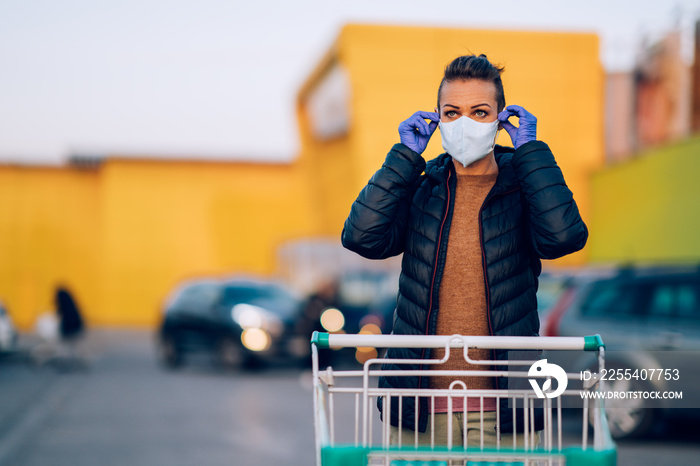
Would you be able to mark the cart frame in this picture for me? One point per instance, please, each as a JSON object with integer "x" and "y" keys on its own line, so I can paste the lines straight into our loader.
{"x": 358, "y": 452}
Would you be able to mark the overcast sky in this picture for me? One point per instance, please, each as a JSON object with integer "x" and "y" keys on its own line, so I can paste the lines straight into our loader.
{"x": 218, "y": 78}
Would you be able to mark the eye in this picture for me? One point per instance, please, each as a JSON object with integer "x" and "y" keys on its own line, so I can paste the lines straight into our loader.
{"x": 450, "y": 113}
{"x": 481, "y": 113}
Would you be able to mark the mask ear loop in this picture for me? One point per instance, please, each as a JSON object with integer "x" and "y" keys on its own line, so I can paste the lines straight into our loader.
{"x": 493, "y": 143}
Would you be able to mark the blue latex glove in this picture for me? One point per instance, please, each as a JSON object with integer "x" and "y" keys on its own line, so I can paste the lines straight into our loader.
{"x": 415, "y": 132}
{"x": 527, "y": 129}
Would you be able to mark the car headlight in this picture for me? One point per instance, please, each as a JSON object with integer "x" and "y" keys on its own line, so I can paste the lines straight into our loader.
{"x": 249, "y": 316}
{"x": 255, "y": 339}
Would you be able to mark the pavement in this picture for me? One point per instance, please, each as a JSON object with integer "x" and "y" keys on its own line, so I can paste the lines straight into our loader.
{"x": 123, "y": 408}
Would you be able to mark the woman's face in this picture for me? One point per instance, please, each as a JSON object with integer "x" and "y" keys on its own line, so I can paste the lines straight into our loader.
{"x": 474, "y": 98}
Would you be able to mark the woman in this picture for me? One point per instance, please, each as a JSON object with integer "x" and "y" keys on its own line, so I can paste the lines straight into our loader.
{"x": 472, "y": 224}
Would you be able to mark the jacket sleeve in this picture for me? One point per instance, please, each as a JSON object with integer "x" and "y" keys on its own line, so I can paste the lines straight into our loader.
{"x": 555, "y": 225}
{"x": 376, "y": 226}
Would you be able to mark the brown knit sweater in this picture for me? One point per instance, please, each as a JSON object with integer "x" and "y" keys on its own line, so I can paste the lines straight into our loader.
{"x": 462, "y": 305}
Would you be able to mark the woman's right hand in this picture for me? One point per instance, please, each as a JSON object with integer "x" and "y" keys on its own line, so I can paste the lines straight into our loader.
{"x": 415, "y": 132}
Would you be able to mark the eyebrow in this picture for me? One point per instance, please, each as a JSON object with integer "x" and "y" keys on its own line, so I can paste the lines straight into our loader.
{"x": 473, "y": 106}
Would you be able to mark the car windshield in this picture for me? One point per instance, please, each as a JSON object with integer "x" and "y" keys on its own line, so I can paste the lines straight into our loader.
{"x": 274, "y": 298}
{"x": 198, "y": 296}
{"x": 616, "y": 298}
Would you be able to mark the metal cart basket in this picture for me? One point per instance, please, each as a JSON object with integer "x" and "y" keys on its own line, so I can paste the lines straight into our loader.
{"x": 349, "y": 431}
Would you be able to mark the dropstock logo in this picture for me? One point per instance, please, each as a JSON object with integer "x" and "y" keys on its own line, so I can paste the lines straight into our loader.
{"x": 542, "y": 368}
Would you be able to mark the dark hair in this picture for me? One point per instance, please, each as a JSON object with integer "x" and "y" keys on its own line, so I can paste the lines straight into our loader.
{"x": 475, "y": 67}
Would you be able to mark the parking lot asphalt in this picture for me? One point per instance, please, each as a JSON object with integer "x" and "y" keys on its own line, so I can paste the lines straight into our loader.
{"x": 125, "y": 409}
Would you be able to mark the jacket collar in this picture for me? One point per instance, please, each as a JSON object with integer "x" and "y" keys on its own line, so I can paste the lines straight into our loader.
{"x": 438, "y": 168}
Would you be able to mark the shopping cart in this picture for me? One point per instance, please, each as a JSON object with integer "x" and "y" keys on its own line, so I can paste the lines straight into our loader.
{"x": 349, "y": 433}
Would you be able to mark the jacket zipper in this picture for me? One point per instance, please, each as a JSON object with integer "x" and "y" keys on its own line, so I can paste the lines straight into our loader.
{"x": 432, "y": 282}
{"x": 486, "y": 282}
{"x": 437, "y": 254}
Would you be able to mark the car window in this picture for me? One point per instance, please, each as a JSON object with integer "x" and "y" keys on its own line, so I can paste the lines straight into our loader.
{"x": 271, "y": 297}
{"x": 676, "y": 300}
{"x": 662, "y": 301}
{"x": 673, "y": 298}
{"x": 241, "y": 294}
{"x": 689, "y": 301}
{"x": 614, "y": 298}
{"x": 198, "y": 297}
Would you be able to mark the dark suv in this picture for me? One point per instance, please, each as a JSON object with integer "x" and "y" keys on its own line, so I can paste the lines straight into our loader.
{"x": 240, "y": 322}
{"x": 649, "y": 318}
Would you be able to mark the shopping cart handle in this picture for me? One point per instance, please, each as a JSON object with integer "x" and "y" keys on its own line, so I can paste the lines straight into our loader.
{"x": 593, "y": 343}
{"x": 326, "y": 340}
{"x": 320, "y": 339}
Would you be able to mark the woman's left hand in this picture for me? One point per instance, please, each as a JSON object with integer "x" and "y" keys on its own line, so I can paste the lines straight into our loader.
{"x": 527, "y": 129}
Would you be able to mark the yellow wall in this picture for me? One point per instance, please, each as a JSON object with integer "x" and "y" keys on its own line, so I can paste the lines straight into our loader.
{"x": 49, "y": 233}
{"x": 166, "y": 220}
{"x": 647, "y": 209}
{"x": 122, "y": 236}
{"x": 395, "y": 71}
{"x": 327, "y": 169}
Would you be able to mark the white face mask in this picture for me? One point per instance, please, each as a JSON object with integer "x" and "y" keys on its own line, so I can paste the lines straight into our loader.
{"x": 467, "y": 140}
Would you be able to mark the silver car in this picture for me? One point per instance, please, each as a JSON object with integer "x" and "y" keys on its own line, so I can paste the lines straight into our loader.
{"x": 649, "y": 319}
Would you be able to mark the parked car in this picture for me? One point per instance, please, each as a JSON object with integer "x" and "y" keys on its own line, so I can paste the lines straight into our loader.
{"x": 557, "y": 290}
{"x": 649, "y": 318}
{"x": 8, "y": 332}
{"x": 241, "y": 322}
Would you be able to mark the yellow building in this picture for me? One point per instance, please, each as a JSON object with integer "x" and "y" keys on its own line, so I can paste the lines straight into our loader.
{"x": 646, "y": 209}
{"x": 122, "y": 234}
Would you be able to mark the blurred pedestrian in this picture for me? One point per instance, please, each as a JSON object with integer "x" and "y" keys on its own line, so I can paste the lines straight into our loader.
{"x": 473, "y": 225}
{"x": 71, "y": 327}
{"x": 325, "y": 296}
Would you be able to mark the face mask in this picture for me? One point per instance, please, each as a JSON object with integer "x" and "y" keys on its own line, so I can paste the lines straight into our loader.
{"x": 467, "y": 140}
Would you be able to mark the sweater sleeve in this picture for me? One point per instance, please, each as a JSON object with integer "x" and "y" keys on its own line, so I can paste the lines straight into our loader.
{"x": 376, "y": 226}
{"x": 555, "y": 225}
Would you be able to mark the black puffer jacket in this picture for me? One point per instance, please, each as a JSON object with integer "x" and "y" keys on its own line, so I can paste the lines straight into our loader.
{"x": 528, "y": 215}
